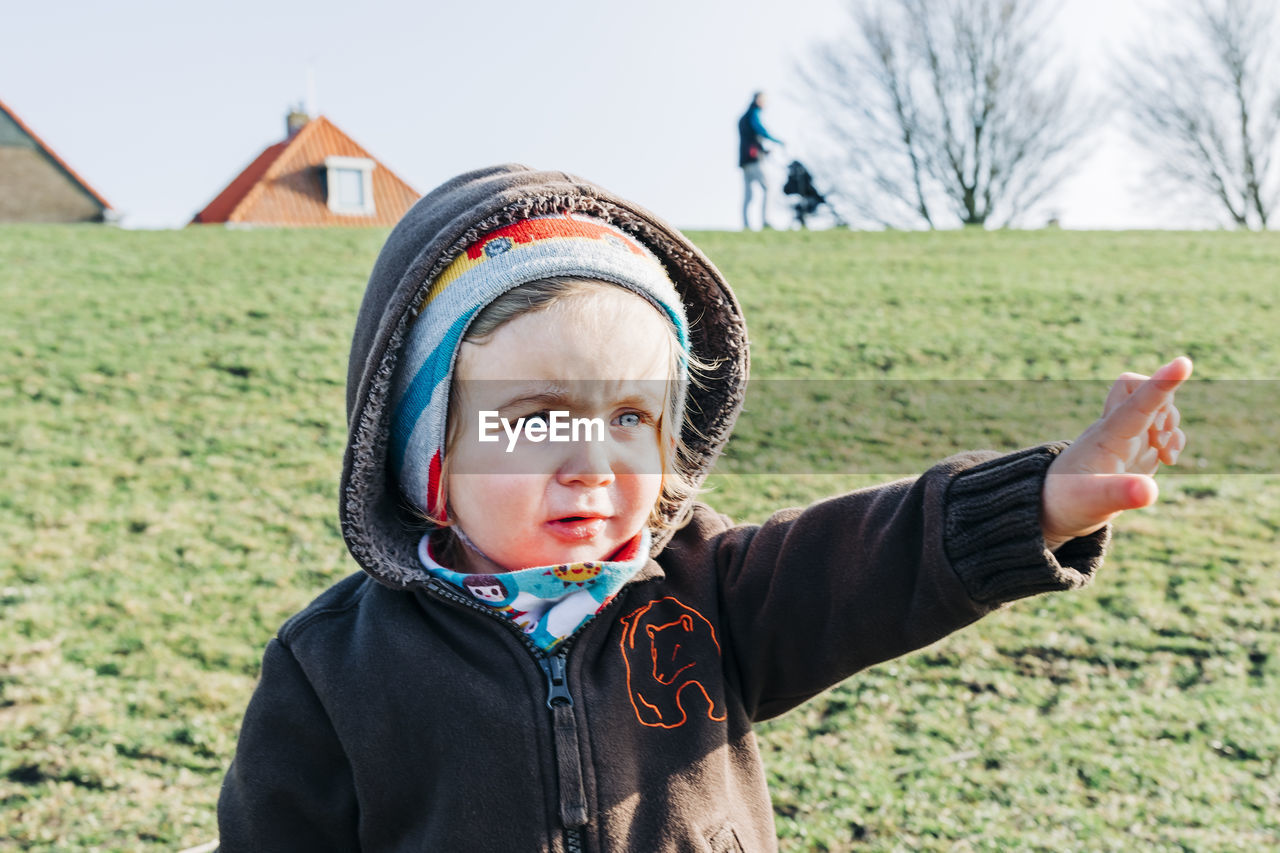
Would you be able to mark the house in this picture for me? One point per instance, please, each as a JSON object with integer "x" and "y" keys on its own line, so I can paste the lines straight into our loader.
{"x": 316, "y": 176}
{"x": 36, "y": 185}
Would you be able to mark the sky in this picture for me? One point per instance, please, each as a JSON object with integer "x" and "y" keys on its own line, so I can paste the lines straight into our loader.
{"x": 158, "y": 105}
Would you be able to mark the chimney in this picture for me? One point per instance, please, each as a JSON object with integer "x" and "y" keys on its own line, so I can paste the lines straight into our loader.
{"x": 294, "y": 120}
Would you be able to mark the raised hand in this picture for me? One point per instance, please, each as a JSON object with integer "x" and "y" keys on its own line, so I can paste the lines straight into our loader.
{"x": 1108, "y": 469}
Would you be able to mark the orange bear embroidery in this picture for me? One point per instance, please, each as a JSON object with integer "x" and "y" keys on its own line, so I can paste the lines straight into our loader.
{"x": 668, "y": 647}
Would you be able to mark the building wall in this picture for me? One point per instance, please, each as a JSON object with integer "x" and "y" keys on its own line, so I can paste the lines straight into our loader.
{"x": 34, "y": 188}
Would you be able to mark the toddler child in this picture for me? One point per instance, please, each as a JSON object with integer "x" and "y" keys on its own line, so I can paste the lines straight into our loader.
{"x": 553, "y": 646}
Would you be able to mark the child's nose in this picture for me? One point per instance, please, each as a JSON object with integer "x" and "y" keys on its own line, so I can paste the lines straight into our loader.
{"x": 587, "y": 463}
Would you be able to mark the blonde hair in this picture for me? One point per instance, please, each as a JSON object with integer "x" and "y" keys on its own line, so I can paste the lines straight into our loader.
{"x": 678, "y": 465}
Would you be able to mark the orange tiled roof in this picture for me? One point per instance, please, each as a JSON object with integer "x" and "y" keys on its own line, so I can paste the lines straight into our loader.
{"x": 285, "y": 184}
{"x": 62, "y": 164}
{"x": 221, "y": 208}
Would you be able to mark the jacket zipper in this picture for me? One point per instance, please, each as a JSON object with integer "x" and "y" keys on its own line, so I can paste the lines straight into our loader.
{"x": 573, "y": 797}
{"x": 572, "y": 794}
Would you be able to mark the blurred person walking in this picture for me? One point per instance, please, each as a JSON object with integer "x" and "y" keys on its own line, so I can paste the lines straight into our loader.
{"x": 751, "y": 150}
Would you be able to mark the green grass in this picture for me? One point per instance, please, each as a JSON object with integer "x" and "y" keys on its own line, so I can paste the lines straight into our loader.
{"x": 171, "y": 429}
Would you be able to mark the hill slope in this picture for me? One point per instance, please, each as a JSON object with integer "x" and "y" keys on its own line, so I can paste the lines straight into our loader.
{"x": 171, "y": 429}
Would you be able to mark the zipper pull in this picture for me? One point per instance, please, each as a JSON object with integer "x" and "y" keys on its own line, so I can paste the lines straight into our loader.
{"x": 557, "y": 681}
{"x": 573, "y": 797}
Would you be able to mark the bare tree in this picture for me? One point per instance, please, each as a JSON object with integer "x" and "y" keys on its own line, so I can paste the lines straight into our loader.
{"x": 1207, "y": 104}
{"x": 945, "y": 111}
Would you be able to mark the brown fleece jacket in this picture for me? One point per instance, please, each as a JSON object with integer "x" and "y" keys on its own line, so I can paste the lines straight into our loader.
{"x": 396, "y": 714}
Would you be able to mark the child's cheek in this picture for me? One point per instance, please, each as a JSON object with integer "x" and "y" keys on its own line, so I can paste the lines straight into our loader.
{"x": 503, "y": 457}
{"x": 642, "y": 493}
{"x": 515, "y": 489}
{"x": 640, "y": 450}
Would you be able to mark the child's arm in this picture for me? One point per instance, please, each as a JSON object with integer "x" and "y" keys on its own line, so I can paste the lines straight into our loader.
{"x": 290, "y": 785}
{"x": 1108, "y": 468}
{"x": 814, "y": 595}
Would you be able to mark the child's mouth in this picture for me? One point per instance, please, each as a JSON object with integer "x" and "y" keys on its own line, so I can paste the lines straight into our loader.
{"x": 577, "y": 527}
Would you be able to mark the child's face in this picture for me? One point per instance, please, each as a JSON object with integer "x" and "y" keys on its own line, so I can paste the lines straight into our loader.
{"x": 603, "y": 354}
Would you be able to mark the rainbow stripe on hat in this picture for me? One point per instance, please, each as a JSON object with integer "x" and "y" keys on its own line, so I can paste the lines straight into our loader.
{"x": 516, "y": 254}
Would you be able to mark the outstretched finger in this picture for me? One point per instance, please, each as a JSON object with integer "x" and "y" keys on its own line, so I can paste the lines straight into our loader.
{"x": 1121, "y": 389}
{"x": 1137, "y": 412}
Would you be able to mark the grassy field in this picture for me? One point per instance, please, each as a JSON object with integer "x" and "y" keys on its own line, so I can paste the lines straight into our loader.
{"x": 171, "y": 429}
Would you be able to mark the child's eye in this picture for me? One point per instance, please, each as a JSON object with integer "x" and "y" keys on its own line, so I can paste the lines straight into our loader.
{"x": 545, "y": 417}
{"x": 629, "y": 419}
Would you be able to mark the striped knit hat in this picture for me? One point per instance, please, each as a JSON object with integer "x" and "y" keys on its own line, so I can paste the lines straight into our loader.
{"x": 520, "y": 253}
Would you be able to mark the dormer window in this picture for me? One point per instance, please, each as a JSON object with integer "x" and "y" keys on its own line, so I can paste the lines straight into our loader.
{"x": 349, "y": 185}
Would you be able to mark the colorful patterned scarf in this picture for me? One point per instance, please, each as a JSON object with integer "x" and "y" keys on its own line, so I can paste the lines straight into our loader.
{"x": 549, "y": 603}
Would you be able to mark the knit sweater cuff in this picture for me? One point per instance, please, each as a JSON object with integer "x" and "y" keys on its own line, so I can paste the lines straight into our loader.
{"x": 993, "y": 534}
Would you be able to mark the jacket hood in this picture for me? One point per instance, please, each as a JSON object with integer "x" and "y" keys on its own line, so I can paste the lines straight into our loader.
{"x": 380, "y": 531}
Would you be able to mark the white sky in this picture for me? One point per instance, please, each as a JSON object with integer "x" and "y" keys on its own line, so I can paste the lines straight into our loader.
{"x": 159, "y": 104}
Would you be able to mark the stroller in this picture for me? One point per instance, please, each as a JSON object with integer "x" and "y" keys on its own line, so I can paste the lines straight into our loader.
{"x": 800, "y": 183}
